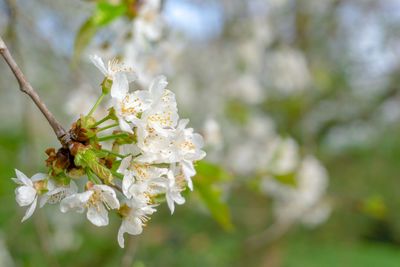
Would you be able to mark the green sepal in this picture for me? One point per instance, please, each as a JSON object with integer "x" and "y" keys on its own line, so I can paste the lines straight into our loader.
{"x": 88, "y": 158}
{"x": 106, "y": 86}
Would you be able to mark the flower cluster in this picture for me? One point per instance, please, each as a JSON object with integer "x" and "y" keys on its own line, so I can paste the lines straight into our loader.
{"x": 152, "y": 157}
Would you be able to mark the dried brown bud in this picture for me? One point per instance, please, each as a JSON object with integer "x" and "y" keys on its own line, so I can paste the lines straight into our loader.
{"x": 62, "y": 159}
{"x": 80, "y": 134}
{"x": 109, "y": 163}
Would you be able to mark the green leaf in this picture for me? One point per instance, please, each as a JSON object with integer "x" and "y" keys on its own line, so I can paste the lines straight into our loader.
{"x": 212, "y": 172}
{"x": 218, "y": 209}
{"x": 288, "y": 178}
{"x": 104, "y": 14}
{"x": 83, "y": 38}
{"x": 210, "y": 193}
{"x": 375, "y": 207}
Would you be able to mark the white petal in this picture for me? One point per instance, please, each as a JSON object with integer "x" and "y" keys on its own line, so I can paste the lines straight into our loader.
{"x": 182, "y": 124}
{"x": 170, "y": 203}
{"x": 111, "y": 200}
{"x": 124, "y": 164}
{"x": 157, "y": 86}
{"x": 30, "y": 210}
{"x": 125, "y": 126}
{"x": 121, "y": 232}
{"x": 43, "y": 200}
{"x": 25, "y": 195}
{"x": 38, "y": 177}
{"x": 98, "y": 62}
{"x": 73, "y": 188}
{"x": 131, "y": 76}
{"x": 50, "y": 185}
{"x": 98, "y": 216}
{"x": 22, "y": 177}
{"x": 127, "y": 182}
{"x": 178, "y": 198}
{"x": 75, "y": 201}
{"x": 109, "y": 196}
{"x": 120, "y": 86}
{"x": 133, "y": 225}
{"x": 188, "y": 171}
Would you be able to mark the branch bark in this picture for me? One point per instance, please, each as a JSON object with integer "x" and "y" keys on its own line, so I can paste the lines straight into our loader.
{"x": 62, "y": 135}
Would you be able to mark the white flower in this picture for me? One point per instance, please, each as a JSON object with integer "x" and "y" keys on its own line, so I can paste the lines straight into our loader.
{"x": 97, "y": 199}
{"x": 298, "y": 202}
{"x": 284, "y": 155}
{"x": 56, "y": 194}
{"x": 128, "y": 106}
{"x": 148, "y": 24}
{"x": 187, "y": 146}
{"x": 113, "y": 69}
{"x": 134, "y": 218}
{"x": 156, "y": 128}
{"x": 212, "y": 133}
{"x": 172, "y": 190}
{"x": 28, "y": 192}
{"x": 138, "y": 179}
{"x": 163, "y": 113}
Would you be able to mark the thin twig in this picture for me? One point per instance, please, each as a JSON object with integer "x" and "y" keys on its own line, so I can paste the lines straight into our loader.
{"x": 129, "y": 255}
{"x": 42, "y": 230}
{"x": 62, "y": 135}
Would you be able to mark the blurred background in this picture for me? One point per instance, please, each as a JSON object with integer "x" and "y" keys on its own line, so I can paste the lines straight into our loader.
{"x": 297, "y": 101}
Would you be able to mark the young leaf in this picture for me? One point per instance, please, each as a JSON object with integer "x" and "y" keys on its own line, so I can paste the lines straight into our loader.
{"x": 83, "y": 38}
{"x": 210, "y": 194}
{"x": 104, "y": 14}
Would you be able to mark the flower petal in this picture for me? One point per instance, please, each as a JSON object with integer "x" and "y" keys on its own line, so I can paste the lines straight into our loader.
{"x": 157, "y": 86}
{"x": 120, "y": 86}
{"x": 38, "y": 177}
{"x": 98, "y": 215}
{"x": 98, "y": 62}
{"x": 22, "y": 177}
{"x": 124, "y": 164}
{"x": 25, "y": 195}
{"x": 125, "y": 126}
{"x": 75, "y": 201}
{"x": 30, "y": 210}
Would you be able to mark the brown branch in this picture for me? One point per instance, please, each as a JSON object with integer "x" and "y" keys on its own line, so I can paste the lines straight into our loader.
{"x": 62, "y": 135}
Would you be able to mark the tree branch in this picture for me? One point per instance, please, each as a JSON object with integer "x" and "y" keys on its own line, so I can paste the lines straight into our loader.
{"x": 62, "y": 135}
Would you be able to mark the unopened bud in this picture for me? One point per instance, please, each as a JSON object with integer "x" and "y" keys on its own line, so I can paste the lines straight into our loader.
{"x": 106, "y": 86}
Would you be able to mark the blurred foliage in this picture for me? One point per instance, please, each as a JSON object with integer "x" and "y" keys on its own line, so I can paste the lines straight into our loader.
{"x": 204, "y": 182}
{"x": 364, "y": 184}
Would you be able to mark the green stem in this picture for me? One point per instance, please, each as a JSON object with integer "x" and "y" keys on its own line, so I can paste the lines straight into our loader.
{"x": 116, "y": 174}
{"x": 89, "y": 174}
{"x": 92, "y": 177}
{"x": 108, "y": 127}
{"x": 110, "y": 137}
{"x": 95, "y": 105}
{"x": 113, "y": 153}
{"x": 100, "y": 121}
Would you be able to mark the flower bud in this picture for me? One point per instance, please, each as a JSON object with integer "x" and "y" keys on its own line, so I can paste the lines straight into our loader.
{"x": 106, "y": 86}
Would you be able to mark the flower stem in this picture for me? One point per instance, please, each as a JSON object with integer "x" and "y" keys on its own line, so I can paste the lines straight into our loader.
{"x": 116, "y": 174}
{"x": 95, "y": 105}
{"x": 113, "y": 153}
{"x": 92, "y": 177}
{"x": 108, "y": 127}
{"x": 100, "y": 121}
{"x": 110, "y": 137}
